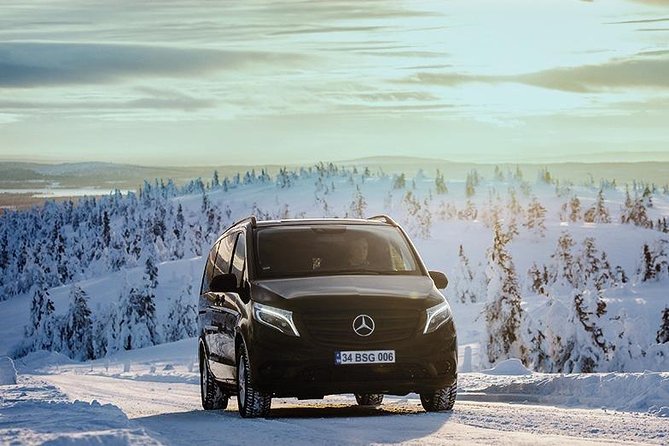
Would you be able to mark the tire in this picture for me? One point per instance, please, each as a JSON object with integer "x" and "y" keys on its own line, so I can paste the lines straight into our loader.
{"x": 369, "y": 399}
{"x": 440, "y": 401}
{"x": 251, "y": 402}
{"x": 211, "y": 394}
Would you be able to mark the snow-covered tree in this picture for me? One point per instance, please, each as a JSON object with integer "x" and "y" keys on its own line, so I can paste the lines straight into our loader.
{"x": 536, "y": 216}
{"x": 538, "y": 278}
{"x": 464, "y": 285}
{"x": 503, "y": 313}
{"x": 77, "y": 329}
{"x": 42, "y": 331}
{"x": 151, "y": 271}
{"x": 182, "y": 317}
{"x": 594, "y": 268}
{"x": 358, "y": 204}
{"x": 590, "y": 348}
{"x": 563, "y": 272}
{"x": 471, "y": 182}
{"x": 574, "y": 209}
{"x": 662, "y": 336}
{"x": 440, "y": 183}
{"x": 654, "y": 262}
{"x": 135, "y": 320}
{"x": 399, "y": 181}
{"x": 598, "y": 213}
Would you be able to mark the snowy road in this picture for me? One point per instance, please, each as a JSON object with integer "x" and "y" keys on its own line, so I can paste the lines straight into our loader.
{"x": 170, "y": 413}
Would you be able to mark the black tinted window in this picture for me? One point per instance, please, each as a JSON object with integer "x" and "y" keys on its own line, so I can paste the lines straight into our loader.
{"x": 292, "y": 251}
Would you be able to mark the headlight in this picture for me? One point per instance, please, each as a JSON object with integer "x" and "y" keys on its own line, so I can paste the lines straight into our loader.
{"x": 276, "y": 318}
{"x": 437, "y": 316}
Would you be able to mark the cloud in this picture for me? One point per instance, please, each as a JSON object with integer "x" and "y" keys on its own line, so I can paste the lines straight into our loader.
{"x": 664, "y": 19}
{"x": 151, "y": 98}
{"x": 653, "y": 2}
{"x": 640, "y": 73}
{"x": 33, "y": 64}
{"x": 635, "y": 72}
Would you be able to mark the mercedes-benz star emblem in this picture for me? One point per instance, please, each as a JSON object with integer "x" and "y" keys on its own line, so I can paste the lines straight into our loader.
{"x": 363, "y": 325}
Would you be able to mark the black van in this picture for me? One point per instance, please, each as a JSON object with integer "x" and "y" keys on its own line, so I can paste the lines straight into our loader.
{"x": 310, "y": 307}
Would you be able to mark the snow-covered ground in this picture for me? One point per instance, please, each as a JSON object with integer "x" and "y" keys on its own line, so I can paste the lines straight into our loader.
{"x": 151, "y": 396}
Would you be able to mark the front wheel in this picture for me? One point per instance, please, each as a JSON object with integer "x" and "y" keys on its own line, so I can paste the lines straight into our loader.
{"x": 211, "y": 394}
{"x": 251, "y": 402}
{"x": 440, "y": 400}
{"x": 369, "y": 399}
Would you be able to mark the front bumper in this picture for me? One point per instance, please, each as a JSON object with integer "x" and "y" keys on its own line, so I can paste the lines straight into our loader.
{"x": 300, "y": 367}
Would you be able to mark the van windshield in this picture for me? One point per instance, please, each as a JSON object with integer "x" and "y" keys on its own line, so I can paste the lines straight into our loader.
{"x": 337, "y": 249}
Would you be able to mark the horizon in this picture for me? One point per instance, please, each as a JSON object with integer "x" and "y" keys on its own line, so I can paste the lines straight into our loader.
{"x": 662, "y": 157}
{"x": 265, "y": 83}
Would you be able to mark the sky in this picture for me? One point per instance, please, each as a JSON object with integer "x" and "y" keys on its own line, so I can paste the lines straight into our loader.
{"x": 272, "y": 82}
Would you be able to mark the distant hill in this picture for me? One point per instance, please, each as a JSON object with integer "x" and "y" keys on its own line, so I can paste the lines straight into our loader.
{"x": 107, "y": 176}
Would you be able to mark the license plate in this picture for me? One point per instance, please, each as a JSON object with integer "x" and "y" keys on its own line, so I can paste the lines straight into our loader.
{"x": 365, "y": 357}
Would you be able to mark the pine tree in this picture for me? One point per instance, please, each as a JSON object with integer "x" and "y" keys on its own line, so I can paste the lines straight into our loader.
{"x": 538, "y": 357}
{"x": 470, "y": 184}
{"x": 358, "y": 205}
{"x": 663, "y": 333}
{"x": 36, "y": 306}
{"x": 181, "y": 318}
{"x": 654, "y": 263}
{"x": 598, "y": 213}
{"x": 627, "y": 207}
{"x": 469, "y": 212}
{"x": 137, "y": 319}
{"x": 464, "y": 280}
{"x": 399, "y": 181}
{"x": 574, "y": 209}
{"x": 563, "y": 272}
{"x": 536, "y": 215}
{"x": 440, "y": 183}
{"x": 539, "y": 278}
{"x": 77, "y": 328}
{"x": 178, "y": 234}
{"x": 42, "y": 330}
{"x": 503, "y": 312}
{"x": 424, "y": 220}
{"x": 106, "y": 229}
{"x": 590, "y": 346}
{"x": 647, "y": 197}
{"x": 150, "y": 268}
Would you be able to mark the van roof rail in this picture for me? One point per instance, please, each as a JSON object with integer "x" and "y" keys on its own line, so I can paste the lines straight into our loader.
{"x": 384, "y": 218}
{"x": 251, "y": 219}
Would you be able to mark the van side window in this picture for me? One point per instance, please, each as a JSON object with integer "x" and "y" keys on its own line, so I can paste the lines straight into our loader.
{"x": 222, "y": 265}
{"x": 208, "y": 270}
{"x": 239, "y": 259}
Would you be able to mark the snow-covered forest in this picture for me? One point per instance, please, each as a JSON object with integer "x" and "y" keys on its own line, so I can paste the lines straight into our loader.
{"x": 566, "y": 277}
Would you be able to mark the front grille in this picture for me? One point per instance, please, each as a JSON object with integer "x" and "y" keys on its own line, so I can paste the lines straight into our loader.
{"x": 335, "y": 328}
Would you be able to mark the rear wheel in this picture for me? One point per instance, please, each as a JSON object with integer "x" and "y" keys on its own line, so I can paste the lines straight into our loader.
{"x": 440, "y": 400}
{"x": 251, "y": 402}
{"x": 211, "y": 394}
{"x": 369, "y": 399}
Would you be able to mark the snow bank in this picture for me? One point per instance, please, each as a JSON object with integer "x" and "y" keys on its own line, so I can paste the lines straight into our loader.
{"x": 43, "y": 359}
{"x": 511, "y": 366}
{"x": 638, "y": 392}
{"x": 37, "y": 413}
{"x": 7, "y": 371}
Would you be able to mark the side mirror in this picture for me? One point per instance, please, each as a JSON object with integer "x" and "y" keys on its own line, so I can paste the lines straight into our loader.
{"x": 440, "y": 280}
{"x": 223, "y": 283}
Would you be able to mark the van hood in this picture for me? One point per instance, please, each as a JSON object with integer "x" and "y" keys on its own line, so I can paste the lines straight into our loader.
{"x": 308, "y": 288}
